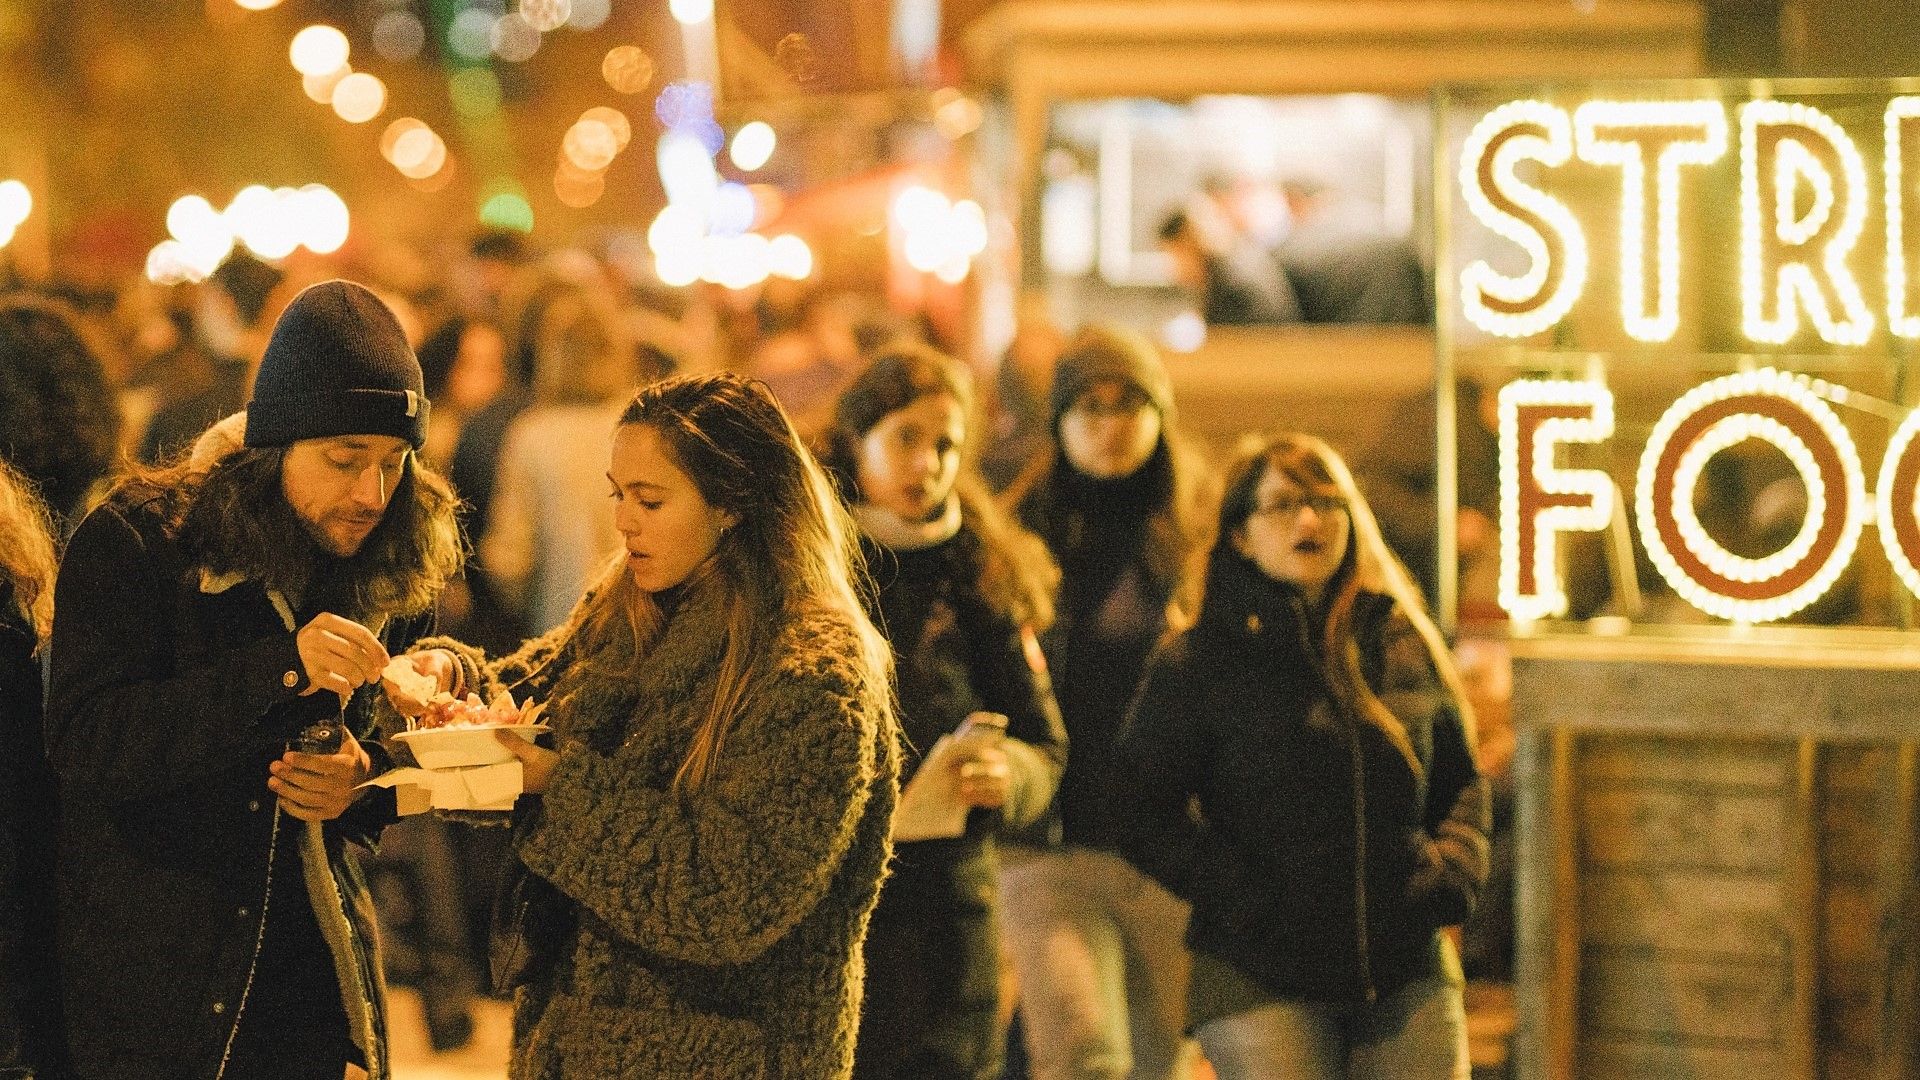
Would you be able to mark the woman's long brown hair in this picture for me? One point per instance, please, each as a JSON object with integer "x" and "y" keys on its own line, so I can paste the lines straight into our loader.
{"x": 793, "y": 548}
{"x": 1368, "y": 565}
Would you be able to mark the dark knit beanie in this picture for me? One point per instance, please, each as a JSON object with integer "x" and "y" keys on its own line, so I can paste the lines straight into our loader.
{"x": 337, "y": 364}
{"x": 1110, "y": 352}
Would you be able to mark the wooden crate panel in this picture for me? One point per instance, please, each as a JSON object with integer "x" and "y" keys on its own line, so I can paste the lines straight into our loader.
{"x": 1701, "y": 827}
{"x": 1643, "y": 994}
{"x": 1610, "y": 760}
{"x": 1851, "y": 833}
{"x": 1602, "y": 1057}
{"x": 1853, "y": 766}
{"x": 1843, "y": 1063}
{"x": 1685, "y": 911}
{"x": 1852, "y": 1025}
{"x": 1848, "y": 945}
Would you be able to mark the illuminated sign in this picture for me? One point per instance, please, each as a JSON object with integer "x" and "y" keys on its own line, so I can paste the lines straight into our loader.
{"x": 1748, "y": 228}
{"x": 1805, "y": 199}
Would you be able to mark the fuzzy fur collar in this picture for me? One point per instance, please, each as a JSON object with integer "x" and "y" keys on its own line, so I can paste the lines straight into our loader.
{"x": 603, "y": 707}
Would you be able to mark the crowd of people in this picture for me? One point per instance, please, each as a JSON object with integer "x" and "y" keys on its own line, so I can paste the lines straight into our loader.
{"x": 768, "y": 566}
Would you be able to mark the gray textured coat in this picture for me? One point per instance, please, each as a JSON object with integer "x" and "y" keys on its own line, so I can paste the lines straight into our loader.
{"x": 718, "y": 933}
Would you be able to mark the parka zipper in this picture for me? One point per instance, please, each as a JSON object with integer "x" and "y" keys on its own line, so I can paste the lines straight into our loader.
{"x": 259, "y": 941}
{"x": 1360, "y": 862}
{"x": 1300, "y": 622}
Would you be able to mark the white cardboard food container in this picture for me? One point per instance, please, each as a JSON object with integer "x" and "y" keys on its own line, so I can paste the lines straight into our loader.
{"x": 463, "y": 746}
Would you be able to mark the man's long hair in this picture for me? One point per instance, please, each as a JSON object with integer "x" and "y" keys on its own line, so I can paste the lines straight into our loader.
{"x": 232, "y": 516}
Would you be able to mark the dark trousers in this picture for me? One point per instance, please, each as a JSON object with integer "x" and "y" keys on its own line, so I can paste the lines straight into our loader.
{"x": 931, "y": 1007}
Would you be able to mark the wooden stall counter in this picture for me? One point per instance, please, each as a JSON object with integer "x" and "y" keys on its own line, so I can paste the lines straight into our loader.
{"x": 1716, "y": 854}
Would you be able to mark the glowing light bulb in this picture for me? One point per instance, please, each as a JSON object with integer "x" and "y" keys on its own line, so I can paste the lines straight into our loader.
{"x": 318, "y": 49}
{"x": 753, "y": 144}
{"x": 359, "y": 98}
{"x": 627, "y": 69}
{"x": 690, "y": 12}
{"x": 788, "y": 256}
{"x": 590, "y": 145}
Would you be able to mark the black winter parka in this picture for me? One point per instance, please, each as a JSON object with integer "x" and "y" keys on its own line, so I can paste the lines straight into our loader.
{"x": 1318, "y": 864}
{"x": 170, "y": 693}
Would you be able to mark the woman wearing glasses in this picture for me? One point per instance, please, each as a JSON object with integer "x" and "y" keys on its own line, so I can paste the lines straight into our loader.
{"x": 1313, "y": 715}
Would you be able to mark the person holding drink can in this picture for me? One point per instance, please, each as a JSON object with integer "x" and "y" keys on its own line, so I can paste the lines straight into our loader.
{"x": 211, "y": 616}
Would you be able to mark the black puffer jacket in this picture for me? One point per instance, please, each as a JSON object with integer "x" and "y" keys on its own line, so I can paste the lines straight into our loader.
{"x": 170, "y": 694}
{"x": 1319, "y": 865}
{"x": 1112, "y": 610}
{"x": 933, "y": 951}
{"x": 955, "y": 655}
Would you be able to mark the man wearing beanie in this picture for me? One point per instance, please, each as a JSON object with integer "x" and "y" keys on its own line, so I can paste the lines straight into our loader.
{"x": 213, "y": 922}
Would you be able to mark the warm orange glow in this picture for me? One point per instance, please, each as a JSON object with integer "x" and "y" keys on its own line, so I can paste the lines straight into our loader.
{"x": 627, "y": 69}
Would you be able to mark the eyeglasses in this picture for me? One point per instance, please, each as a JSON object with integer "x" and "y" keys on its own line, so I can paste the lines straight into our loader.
{"x": 1291, "y": 505}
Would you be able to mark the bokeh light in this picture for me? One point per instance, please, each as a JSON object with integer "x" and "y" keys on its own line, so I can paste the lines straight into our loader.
{"x": 359, "y": 98}
{"x": 733, "y": 210}
{"x": 958, "y": 116}
{"x": 319, "y": 88}
{"x": 789, "y": 257}
{"x": 399, "y": 36}
{"x": 323, "y": 218}
{"x": 589, "y": 14}
{"x": 737, "y": 262}
{"x": 169, "y": 264}
{"x": 545, "y": 15}
{"x": 752, "y": 145}
{"x": 686, "y": 171}
{"x": 470, "y": 35}
{"x": 318, "y": 49}
{"x": 204, "y": 236}
{"x": 255, "y": 5}
{"x": 690, "y": 12}
{"x": 576, "y": 189}
{"x": 475, "y": 92}
{"x": 507, "y": 210}
{"x": 590, "y": 145}
{"x": 390, "y": 137}
{"x": 615, "y": 120}
{"x": 16, "y": 202}
{"x": 419, "y": 154}
{"x": 514, "y": 39}
{"x": 627, "y": 69}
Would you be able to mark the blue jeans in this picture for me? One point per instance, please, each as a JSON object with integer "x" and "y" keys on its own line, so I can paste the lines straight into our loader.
{"x": 1417, "y": 1033}
{"x": 1098, "y": 950}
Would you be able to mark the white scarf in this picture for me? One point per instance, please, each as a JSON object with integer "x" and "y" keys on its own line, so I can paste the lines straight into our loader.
{"x": 897, "y": 533}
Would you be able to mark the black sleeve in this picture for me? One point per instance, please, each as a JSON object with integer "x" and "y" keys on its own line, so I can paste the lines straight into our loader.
{"x": 1010, "y": 675}
{"x": 377, "y": 808}
{"x": 1458, "y": 815}
{"x": 1163, "y": 751}
{"x": 123, "y": 723}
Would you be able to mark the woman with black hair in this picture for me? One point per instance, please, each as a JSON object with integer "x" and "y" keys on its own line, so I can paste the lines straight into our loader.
{"x": 1313, "y": 719}
{"x": 1096, "y": 943}
{"x": 961, "y": 593}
